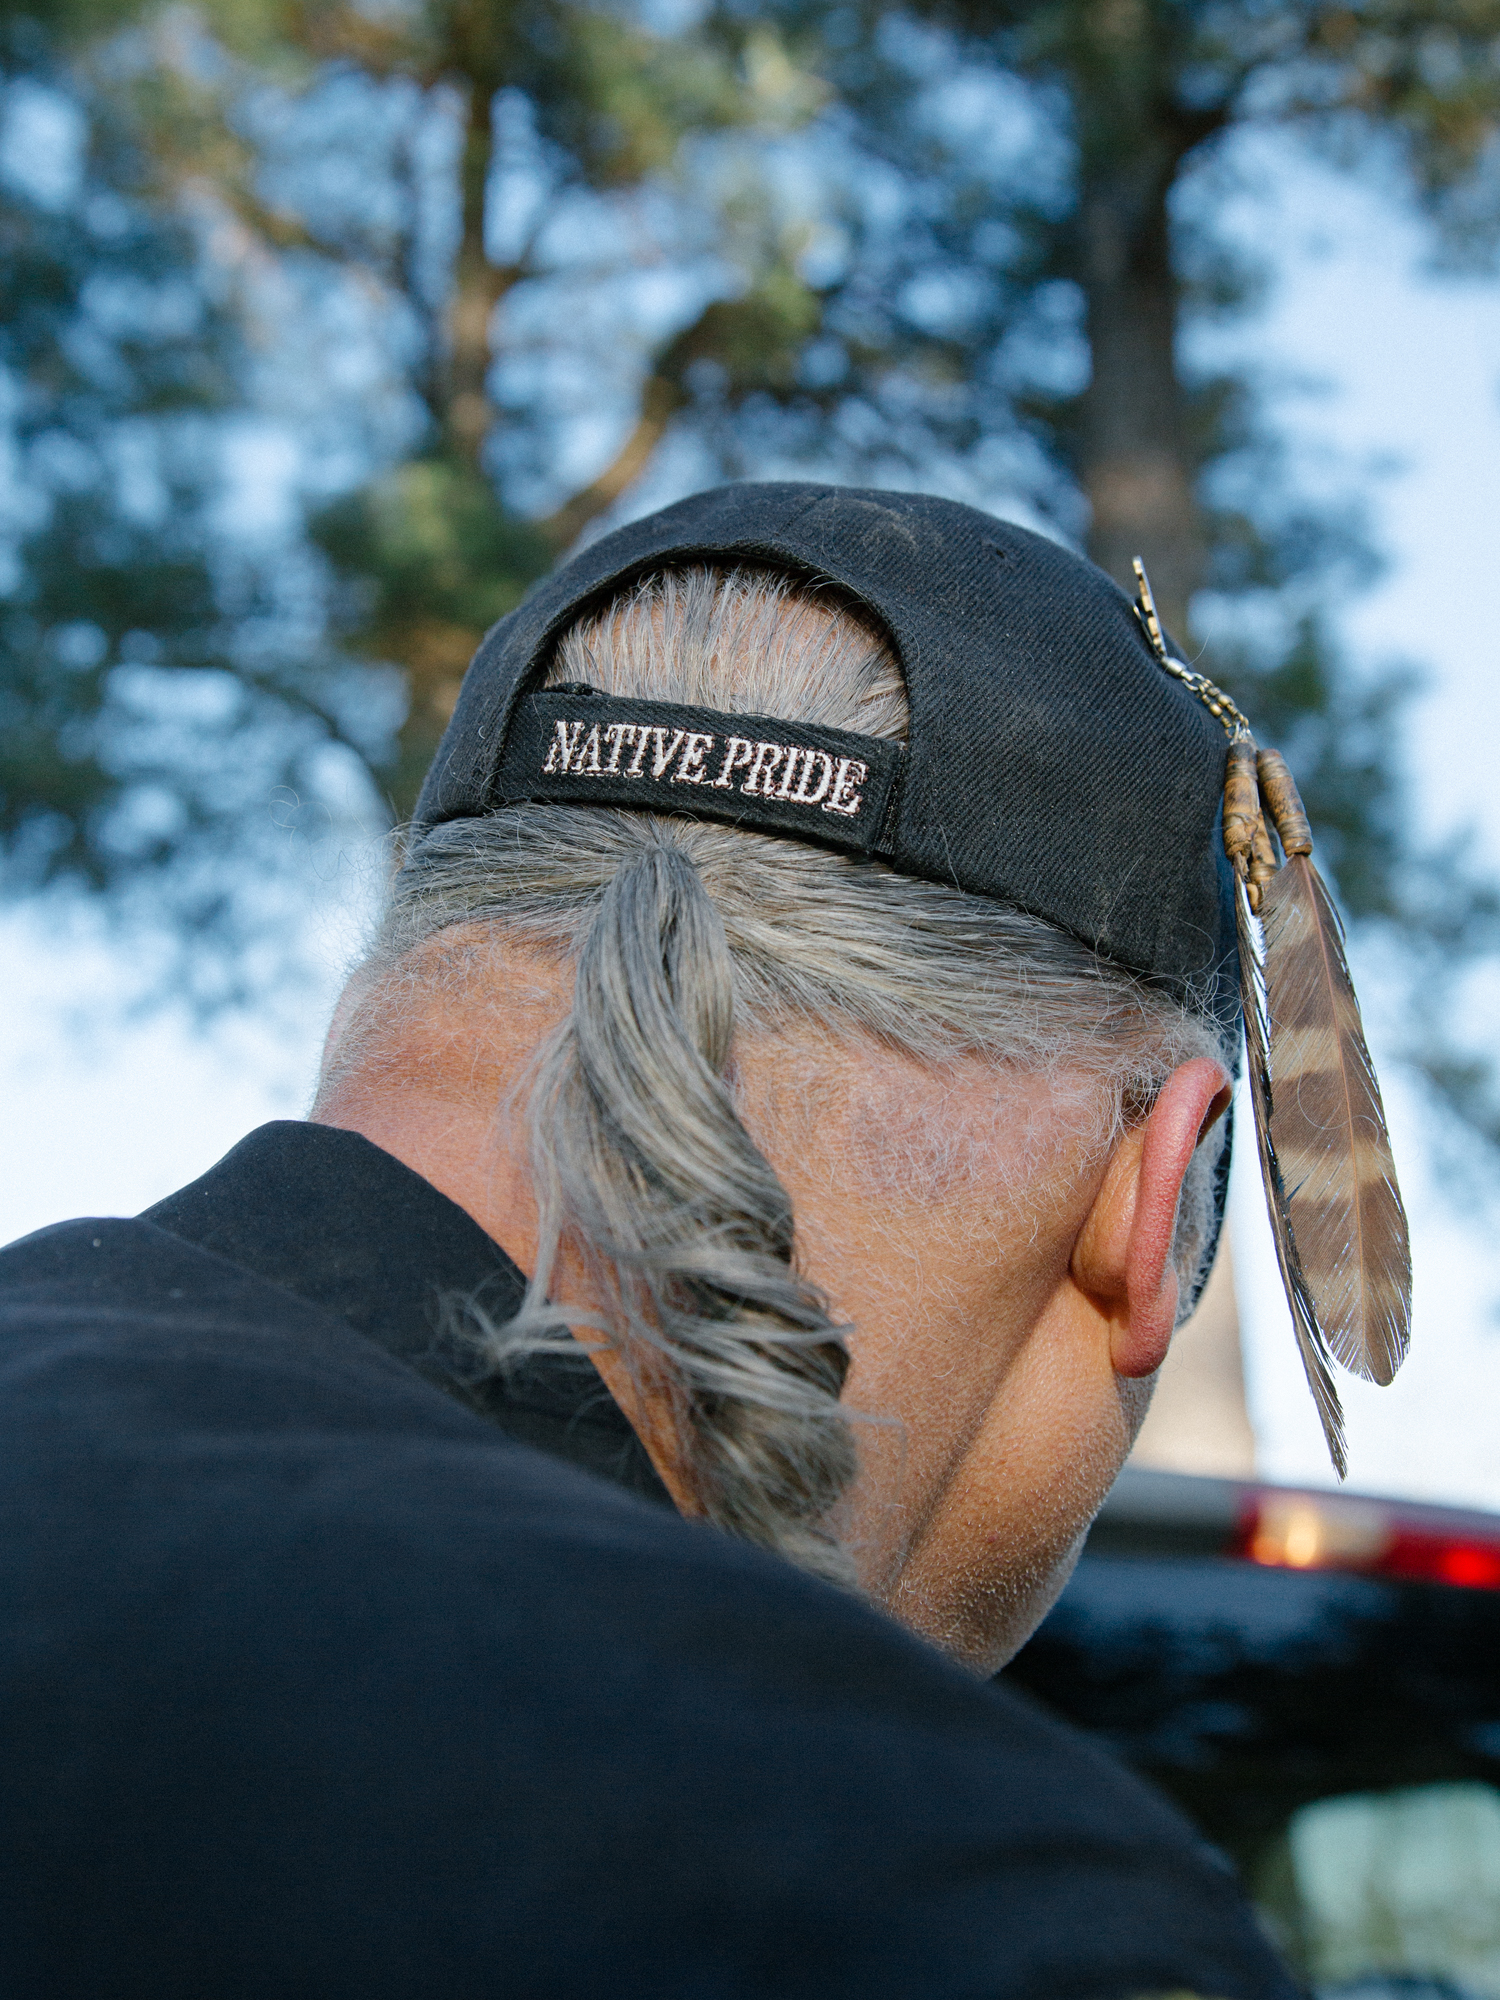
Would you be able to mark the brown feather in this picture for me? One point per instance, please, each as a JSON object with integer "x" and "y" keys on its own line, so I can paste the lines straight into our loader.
{"x": 1258, "y": 1064}
{"x": 1328, "y": 1135}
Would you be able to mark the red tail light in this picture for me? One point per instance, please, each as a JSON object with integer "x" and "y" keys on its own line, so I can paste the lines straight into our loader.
{"x": 1472, "y": 1565}
{"x": 1289, "y": 1530}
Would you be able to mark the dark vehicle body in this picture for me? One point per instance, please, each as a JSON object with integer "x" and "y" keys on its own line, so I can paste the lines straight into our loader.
{"x": 1300, "y": 1670}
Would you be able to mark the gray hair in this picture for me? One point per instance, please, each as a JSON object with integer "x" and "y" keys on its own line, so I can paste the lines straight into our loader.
{"x": 683, "y": 932}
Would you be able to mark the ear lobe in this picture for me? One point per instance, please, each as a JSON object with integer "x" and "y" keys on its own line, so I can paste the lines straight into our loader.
{"x": 1127, "y": 1242}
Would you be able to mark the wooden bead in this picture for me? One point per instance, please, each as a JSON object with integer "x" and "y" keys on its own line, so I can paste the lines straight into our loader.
{"x": 1241, "y": 802}
{"x": 1279, "y": 790}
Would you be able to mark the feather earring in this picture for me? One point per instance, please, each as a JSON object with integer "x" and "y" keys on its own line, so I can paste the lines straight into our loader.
{"x": 1327, "y": 1120}
{"x": 1336, "y": 1215}
{"x": 1249, "y": 849}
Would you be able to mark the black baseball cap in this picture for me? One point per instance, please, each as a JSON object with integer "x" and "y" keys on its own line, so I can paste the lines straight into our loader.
{"x": 1051, "y": 763}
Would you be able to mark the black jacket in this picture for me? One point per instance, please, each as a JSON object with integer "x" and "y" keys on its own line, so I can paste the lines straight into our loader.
{"x": 317, "y": 1683}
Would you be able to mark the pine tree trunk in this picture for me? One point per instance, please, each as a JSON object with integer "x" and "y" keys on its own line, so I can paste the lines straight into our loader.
{"x": 478, "y": 286}
{"x": 1135, "y": 456}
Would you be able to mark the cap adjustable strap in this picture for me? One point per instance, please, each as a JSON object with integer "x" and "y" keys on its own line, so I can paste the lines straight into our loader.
{"x": 578, "y": 745}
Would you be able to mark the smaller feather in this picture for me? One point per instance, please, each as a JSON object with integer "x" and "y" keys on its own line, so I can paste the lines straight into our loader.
{"x": 1309, "y": 1338}
{"x": 1328, "y": 1132}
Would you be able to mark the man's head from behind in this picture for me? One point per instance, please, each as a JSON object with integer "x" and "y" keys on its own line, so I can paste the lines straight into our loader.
{"x": 875, "y": 1195}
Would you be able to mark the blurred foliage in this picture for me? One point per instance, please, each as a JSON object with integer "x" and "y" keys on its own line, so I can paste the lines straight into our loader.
{"x": 500, "y": 272}
{"x": 434, "y": 560}
{"x": 113, "y": 362}
{"x": 423, "y": 554}
{"x": 610, "y": 103}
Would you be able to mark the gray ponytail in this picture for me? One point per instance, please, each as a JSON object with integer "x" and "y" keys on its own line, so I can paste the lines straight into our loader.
{"x": 639, "y": 1155}
{"x": 683, "y": 933}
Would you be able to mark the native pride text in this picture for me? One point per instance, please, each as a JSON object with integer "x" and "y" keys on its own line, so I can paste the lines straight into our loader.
{"x": 787, "y": 771}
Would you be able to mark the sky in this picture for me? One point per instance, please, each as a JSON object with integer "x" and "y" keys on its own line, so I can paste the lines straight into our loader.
{"x": 1399, "y": 369}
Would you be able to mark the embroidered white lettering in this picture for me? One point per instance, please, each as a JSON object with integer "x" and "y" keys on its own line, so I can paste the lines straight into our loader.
{"x": 738, "y": 750}
{"x": 802, "y": 796}
{"x": 767, "y": 757}
{"x": 771, "y": 770}
{"x": 690, "y": 771}
{"x": 843, "y": 798}
{"x": 565, "y": 737}
{"x": 664, "y": 752}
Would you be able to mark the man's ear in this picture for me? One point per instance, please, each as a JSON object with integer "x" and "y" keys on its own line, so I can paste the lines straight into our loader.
{"x": 1122, "y": 1258}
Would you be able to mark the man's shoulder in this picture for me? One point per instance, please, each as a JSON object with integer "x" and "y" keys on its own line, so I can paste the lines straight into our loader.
{"x": 207, "y": 1413}
{"x": 105, "y": 1309}
{"x": 204, "y": 1410}
{"x": 323, "y": 1641}
{"x": 123, "y": 1347}
{"x": 126, "y": 1267}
